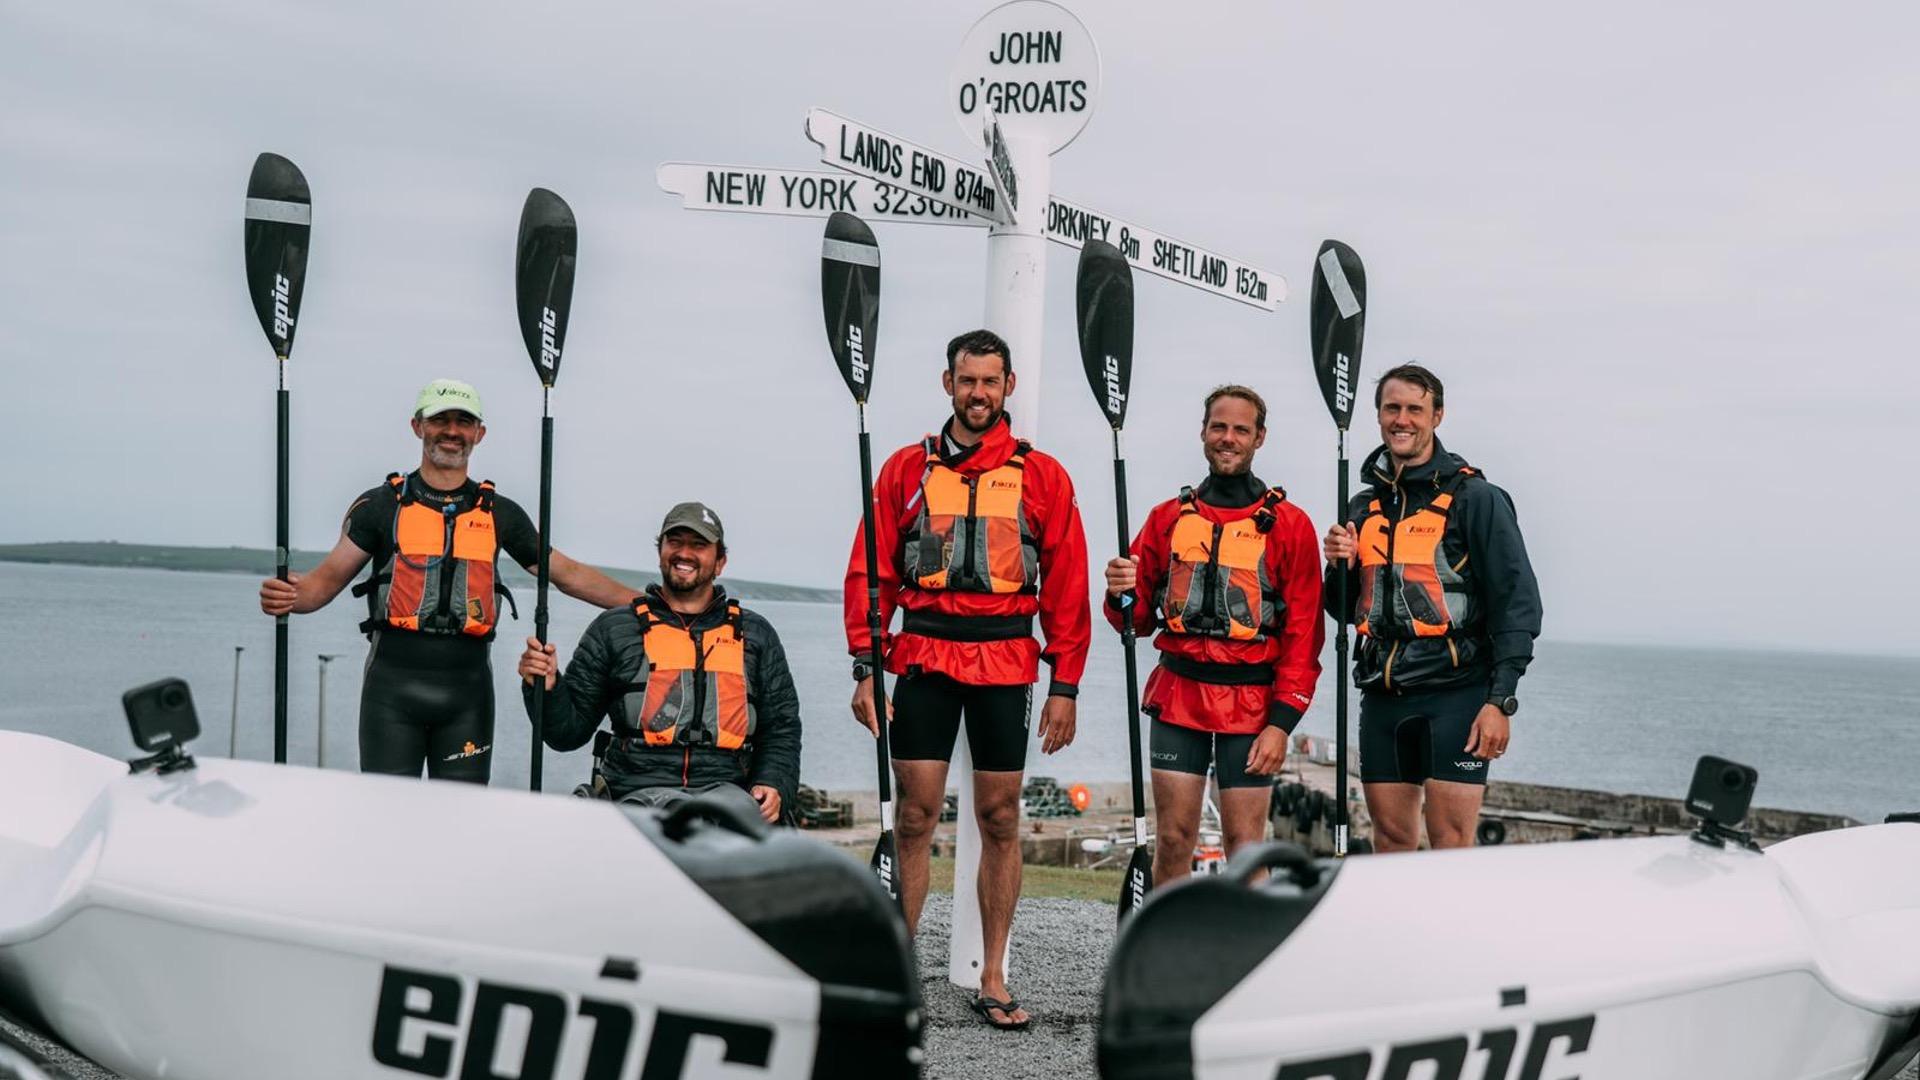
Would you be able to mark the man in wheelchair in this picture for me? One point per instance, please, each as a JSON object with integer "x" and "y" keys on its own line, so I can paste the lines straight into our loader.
{"x": 695, "y": 687}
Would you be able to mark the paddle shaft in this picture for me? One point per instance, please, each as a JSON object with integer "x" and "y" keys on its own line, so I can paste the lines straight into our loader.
{"x": 1340, "y": 674}
{"x": 540, "y": 582}
{"x": 1127, "y": 643}
{"x": 873, "y": 623}
{"x": 280, "y": 543}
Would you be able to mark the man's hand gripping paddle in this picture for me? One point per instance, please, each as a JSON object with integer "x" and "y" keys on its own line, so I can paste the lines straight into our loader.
{"x": 279, "y": 217}
{"x": 1339, "y": 316}
{"x": 850, "y": 296}
{"x": 543, "y": 289}
{"x": 1103, "y": 297}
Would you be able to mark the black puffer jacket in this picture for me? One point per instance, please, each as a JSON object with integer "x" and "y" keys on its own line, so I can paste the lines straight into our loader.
{"x": 1494, "y": 642}
{"x": 608, "y": 659}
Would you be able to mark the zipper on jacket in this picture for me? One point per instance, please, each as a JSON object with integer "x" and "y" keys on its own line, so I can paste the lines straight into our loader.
{"x": 1210, "y": 600}
{"x": 446, "y": 561}
{"x": 972, "y": 524}
{"x": 1387, "y": 675}
{"x": 700, "y": 679}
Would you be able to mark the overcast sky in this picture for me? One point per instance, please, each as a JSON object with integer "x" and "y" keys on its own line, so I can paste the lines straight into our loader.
{"x": 1663, "y": 256}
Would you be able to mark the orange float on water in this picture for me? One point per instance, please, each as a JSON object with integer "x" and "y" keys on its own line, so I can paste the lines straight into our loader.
{"x": 1081, "y": 797}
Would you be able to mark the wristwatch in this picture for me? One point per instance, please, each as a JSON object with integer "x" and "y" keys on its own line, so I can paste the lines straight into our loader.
{"x": 862, "y": 670}
{"x": 1508, "y": 704}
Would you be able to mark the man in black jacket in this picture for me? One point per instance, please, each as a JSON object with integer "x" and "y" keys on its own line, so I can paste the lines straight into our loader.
{"x": 1446, "y": 607}
{"x": 696, "y": 687}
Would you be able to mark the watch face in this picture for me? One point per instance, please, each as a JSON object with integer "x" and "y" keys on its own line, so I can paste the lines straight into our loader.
{"x": 1509, "y": 705}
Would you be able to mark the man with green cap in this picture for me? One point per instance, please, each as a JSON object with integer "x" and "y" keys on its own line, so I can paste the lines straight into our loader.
{"x": 695, "y": 687}
{"x": 434, "y": 537}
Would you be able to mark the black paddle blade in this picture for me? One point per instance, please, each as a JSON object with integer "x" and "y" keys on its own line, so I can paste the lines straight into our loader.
{"x": 886, "y": 865}
{"x": 279, "y": 217}
{"x": 850, "y": 295}
{"x": 1339, "y": 316}
{"x": 543, "y": 278}
{"x": 1103, "y": 296}
{"x": 1133, "y": 887}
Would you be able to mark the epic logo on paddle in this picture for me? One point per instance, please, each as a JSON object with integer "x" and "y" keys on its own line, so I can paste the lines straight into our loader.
{"x": 549, "y": 352}
{"x": 857, "y": 355}
{"x": 282, "y": 318}
{"x": 1342, "y": 382}
{"x": 1116, "y": 401}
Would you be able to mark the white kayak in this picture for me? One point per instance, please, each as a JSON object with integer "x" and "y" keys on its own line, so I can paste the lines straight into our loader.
{"x": 1608, "y": 960}
{"x": 243, "y": 920}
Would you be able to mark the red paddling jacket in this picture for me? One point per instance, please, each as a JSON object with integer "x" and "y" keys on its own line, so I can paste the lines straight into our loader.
{"x": 972, "y": 546}
{"x": 1235, "y": 594}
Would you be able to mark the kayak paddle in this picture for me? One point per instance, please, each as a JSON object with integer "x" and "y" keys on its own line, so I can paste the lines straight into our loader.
{"x": 543, "y": 287}
{"x": 1337, "y": 321}
{"x": 1103, "y": 295}
{"x": 850, "y": 295}
{"x": 279, "y": 218}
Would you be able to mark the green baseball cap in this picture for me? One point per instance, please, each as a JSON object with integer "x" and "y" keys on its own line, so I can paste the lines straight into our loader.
{"x": 445, "y": 395}
{"x": 697, "y": 519}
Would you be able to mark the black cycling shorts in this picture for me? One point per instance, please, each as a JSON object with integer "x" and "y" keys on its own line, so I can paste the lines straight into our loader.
{"x": 1189, "y": 750}
{"x": 427, "y": 700}
{"x": 927, "y": 709}
{"x": 1413, "y": 738}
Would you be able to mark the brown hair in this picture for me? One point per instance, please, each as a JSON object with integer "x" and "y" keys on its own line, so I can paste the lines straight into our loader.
{"x": 980, "y": 343}
{"x": 1414, "y": 375}
{"x": 1244, "y": 393}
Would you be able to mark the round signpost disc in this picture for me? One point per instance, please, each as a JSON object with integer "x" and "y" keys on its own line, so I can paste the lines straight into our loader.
{"x": 1035, "y": 65}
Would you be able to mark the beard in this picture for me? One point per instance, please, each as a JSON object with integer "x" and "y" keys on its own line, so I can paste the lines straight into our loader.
{"x": 702, "y": 577}
{"x": 993, "y": 417}
{"x": 1238, "y": 467}
{"x": 443, "y": 458}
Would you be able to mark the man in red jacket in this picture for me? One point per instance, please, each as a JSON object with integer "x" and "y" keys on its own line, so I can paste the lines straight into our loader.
{"x": 978, "y": 533}
{"x": 1229, "y": 571}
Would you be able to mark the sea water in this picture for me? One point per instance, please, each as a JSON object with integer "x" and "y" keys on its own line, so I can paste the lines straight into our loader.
{"x": 1828, "y": 732}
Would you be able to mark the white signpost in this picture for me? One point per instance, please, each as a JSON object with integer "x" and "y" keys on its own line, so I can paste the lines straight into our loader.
{"x": 1023, "y": 87}
{"x": 851, "y": 145}
{"x": 746, "y": 190}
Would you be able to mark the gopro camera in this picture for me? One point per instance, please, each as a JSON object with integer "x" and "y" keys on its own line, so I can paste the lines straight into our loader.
{"x": 1722, "y": 791}
{"x": 161, "y": 717}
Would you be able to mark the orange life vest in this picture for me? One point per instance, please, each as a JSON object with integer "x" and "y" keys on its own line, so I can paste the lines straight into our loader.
{"x": 440, "y": 577}
{"x": 1217, "y": 583}
{"x": 971, "y": 533}
{"x": 1408, "y": 588}
{"x": 692, "y": 686}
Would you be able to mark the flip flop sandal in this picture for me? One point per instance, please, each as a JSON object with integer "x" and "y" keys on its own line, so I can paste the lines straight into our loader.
{"x": 985, "y": 1007}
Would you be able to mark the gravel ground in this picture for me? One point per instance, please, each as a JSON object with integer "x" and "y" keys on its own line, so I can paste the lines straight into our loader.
{"x": 1059, "y": 958}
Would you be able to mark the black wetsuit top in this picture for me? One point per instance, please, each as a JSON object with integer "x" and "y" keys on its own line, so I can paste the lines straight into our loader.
{"x": 427, "y": 699}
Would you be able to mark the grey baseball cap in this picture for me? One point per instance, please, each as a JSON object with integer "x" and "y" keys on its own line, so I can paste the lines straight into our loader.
{"x": 696, "y": 518}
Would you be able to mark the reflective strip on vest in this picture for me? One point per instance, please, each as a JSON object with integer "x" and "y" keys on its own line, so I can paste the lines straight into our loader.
{"x": 692, "y": 686}
{"x": 1405, "y": 565}
{"x": 440, "y": 578}
{"x": 971, "y": 534}
{"x": 1217, "y": 584}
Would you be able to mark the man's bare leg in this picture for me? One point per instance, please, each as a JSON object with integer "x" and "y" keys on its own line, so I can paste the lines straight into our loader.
{"x": 1453, "y": 811}
{"x": 1395, "y": 809}
{"x": 922, "y": 790}
{"x": 1176, "y": 822}
{"x": 1243, "y": 815}
{"x": 996, "y": 805}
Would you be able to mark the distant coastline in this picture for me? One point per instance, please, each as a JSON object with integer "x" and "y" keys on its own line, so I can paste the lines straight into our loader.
{"x": 241, "y": 560}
